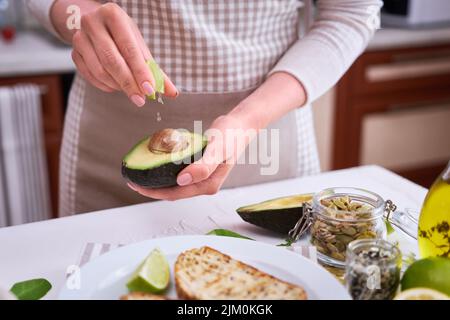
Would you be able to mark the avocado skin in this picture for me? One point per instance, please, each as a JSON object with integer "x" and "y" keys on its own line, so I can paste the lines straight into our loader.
{"x": 277, "y": 220}
{"x": 280, "y": 219}
{"x": 159, "y": 177}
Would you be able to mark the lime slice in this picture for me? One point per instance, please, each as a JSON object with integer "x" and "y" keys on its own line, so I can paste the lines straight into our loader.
{"x": 153, "y": 275}
{"x": 421, "y": 294}
{"x": 159, "y": 78}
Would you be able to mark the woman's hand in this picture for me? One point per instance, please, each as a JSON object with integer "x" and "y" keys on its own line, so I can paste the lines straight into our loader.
{"x": 110, "y": 52}
{"x": 228, "y": 137}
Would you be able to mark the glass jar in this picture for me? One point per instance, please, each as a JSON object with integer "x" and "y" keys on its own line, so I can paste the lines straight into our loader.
{"x": 341, "y": 215}
{"x": 372, "y": 269}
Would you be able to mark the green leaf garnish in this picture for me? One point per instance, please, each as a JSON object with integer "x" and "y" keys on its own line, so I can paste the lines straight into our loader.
{"x": 33, "y": 289}
{"x": 227, "y": 233}
{"x": 286, "y": 243}
{"x": 389, "y": 227}
{"x": 159, "y": 78}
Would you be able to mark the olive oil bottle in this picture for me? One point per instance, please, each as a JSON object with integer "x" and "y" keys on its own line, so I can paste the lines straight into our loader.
{"x": 434, "y": 221}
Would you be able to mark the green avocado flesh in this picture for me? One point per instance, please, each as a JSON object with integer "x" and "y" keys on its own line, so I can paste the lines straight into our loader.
{"x": 279, "y": 215}
{"x": 155, "y": 170}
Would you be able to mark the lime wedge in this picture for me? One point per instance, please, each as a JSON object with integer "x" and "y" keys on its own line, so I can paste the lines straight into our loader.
{"x": 159, "y": 78}
{"x": 153, "y": 275}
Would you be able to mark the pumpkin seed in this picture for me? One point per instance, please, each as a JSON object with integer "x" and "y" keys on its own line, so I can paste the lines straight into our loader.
{"x": 349, "y": 231}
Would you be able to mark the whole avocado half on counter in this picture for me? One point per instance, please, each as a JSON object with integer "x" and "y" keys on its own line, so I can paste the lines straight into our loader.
{"x": 278, "y": 215}
{"x": 155, "y": 161}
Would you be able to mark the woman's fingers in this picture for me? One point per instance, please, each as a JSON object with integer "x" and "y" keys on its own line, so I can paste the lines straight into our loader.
{"x": 121, "y": 30}
{"x": 85, "y": 73}
{"x": 116, "y": 66}
{"x": 83, "y": 46}
{"x": 115, "y": 54}
{"x": 169, "y": 88}
{"x": 226, "y": 141}
{"x": 110, "y": 57}
{"x": 208, "y": 187}
{"x": 202, "y": 168}
{"x": 143, "y": 46}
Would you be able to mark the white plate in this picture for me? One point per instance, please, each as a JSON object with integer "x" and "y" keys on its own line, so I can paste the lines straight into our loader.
{"x": 105, "y": 277}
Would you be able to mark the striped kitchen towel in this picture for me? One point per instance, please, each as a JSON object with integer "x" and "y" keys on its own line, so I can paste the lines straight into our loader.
{"x": 92, "y": 250}
{"x": 24, "y": 185}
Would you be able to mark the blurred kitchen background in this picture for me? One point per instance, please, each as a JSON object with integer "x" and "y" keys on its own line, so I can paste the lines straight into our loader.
{"x": 392, "y": 108}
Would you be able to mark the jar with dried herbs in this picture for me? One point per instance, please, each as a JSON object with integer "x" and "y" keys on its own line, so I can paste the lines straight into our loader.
{"x": 341, "y": 215}
{"x": 372, "y": 269}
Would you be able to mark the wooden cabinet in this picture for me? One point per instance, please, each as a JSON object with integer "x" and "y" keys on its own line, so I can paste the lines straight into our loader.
{"x": 382, "y": 81}
{"x": 52, "y": 109}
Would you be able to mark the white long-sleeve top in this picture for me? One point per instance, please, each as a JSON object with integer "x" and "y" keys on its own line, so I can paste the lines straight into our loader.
{"x": 247, "y": 40}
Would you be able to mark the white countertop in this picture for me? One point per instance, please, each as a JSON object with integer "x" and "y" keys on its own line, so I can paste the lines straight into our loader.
{"x": 46, "y": 249}
{"x": 32, "y": 53}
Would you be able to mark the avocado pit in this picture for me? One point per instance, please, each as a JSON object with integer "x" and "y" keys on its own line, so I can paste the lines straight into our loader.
{"x": 168, "y": 141}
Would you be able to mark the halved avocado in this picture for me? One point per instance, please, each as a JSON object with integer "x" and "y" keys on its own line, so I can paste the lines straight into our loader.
{"x": 279, "y": 215}
{"x": 153, "y": 169}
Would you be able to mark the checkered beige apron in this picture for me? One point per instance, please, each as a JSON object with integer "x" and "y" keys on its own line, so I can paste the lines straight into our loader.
{"x": 216, "y": 52}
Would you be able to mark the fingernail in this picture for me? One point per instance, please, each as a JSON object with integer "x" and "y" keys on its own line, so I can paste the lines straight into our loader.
{"x": 131, "y": 186}
{"x": 138, "y": 100}
{"x": 184, "y": 179}
{"x": 148, "y": 88}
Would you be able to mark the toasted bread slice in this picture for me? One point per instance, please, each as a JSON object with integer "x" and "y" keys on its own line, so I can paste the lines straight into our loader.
{"x": 207, "y": 274}
{"x": 142, "y": 296}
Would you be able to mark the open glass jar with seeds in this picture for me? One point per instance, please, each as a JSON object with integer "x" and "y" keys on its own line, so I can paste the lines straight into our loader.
{"x": 341, "y": 215}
